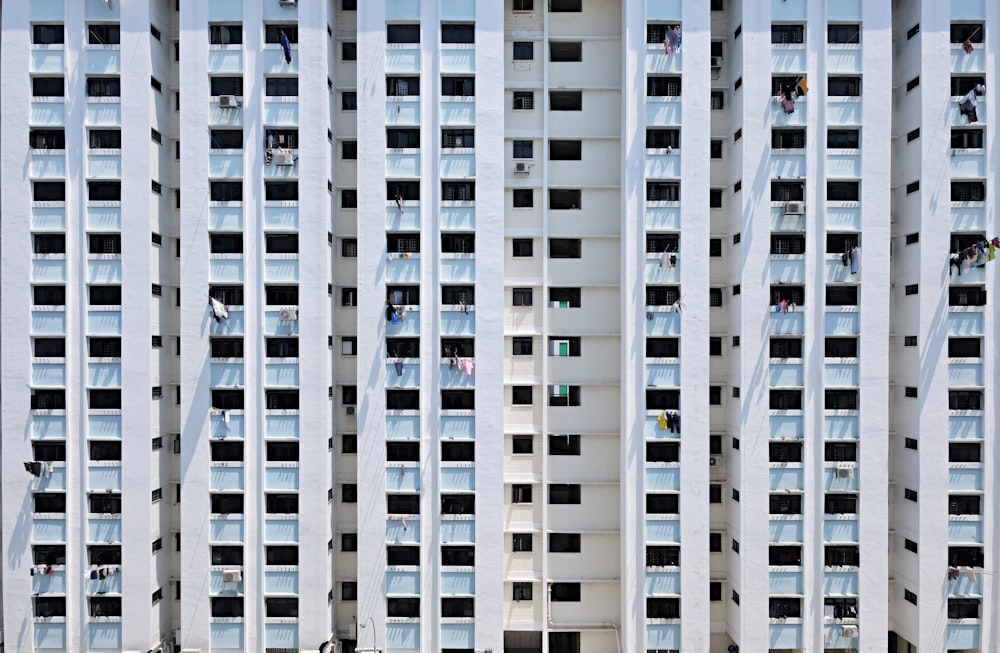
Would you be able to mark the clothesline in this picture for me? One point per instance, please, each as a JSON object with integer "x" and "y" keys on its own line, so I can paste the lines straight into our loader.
{"x": 975, "y": 255}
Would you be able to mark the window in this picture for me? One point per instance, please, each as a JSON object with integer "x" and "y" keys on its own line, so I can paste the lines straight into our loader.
{"x": 910, "y": 596}
{"x": 843, "y": 139}
{"x": 104, "y": 503}
{"x": 522, "y": 591}
{"x": 961, "y": 32}
{"x": 784, "y": 191}
{"x": 788, "y": 138}
{"x": 522, "y": 444}
{"x": 849, "y": 33}
{"x": 281, "y": 191}
{"x": 563, "y": 493}
{"x": 913, "y": 135}
{"x": 458, "y": 556}
{"x": 565, "y": 248}
{"x": 785, "y": 452}
{"x": 521, "y": 542}
{"x": 964, "y": 347}
{"x": 458, "y": 86}
{"x": 402, "y": 87}
{"x": 281, "y": 86}
{"x": 521, "y": 395}
{"x": 564, "y": 444}
{"x": 565, "y": 5}
{"x": 715, "y": 297}
{"x": 968, "y": 191}
{"x": 227, "y": 606}
{"x": 718, "y": 100}
{"x": 662, "y": 347}
{"x": 962, "y": 85}
{"x": 47, "y": 139}
{"x": 786, "y": 556}
{"x": 48, "y": 86}
{"x": 966, "y": 296}
{"x": 663, "y": 86}
{"x": 226, "y": 34}
{"x": 403, "y": 33}
{"x": 402, "y": 451}
{"x": 788, "y": 34}
{"x": 109, "y": 34}
{"x": 458, "y": 33}
{"x": 565, "y": 51}
{"x": 841, "y": 451}
{"x": 524, "y": 101}
{"x": 452, "y": 243}
{"x": 564, "y": 592}
{"x": 565, "y": 150}
{"x": 838, "y": 295}
{"x": 103, "y": 87}
{"x": 49, "y": 191}
{"x": 714, "y": 492}
{"x": 50, "y": 606}
{"x": 967, "y": 138}
{"x": 785, "y": 504}
{"x": 965, "y": 556}
{"x": 840, "y": 504}
{"x": 715, "y": 145}
{"x": 105, "y": 450}
{"x": 663, "y": 191}
{"x": 910, "y": 85}
{"x": 523, "y": 51}
{"x": 49, "y": 348}
{"x": 458, "y": 451}
{"x": 658, "y": 138}
{"x": 566, "y": 100}
{"x": 785, "y": 400}
{"x": 349, "y": 101}
{"x": 842, "y": 191}
{"x": 910, "y": 495}
{"x": 226, "y": 451}
{"x": 790, "y": 294}
{"x": 522, "y": 296}
{"x": 49, "y": 502}
{"x": 564, "y": 543}
{"x": 841, "y": 399}
{"x": 521, "y": 346}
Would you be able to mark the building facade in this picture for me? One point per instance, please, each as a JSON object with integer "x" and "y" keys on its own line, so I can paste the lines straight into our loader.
{"x": 450, "y": 277}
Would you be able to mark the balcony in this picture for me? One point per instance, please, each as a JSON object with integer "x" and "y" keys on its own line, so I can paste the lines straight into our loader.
{"x": 402, "y": 58}
{"x": 965, "y": 427}
{"x": 402, "y": 111}
{"x": 787, "y": 271}
{"x": 458, "y": 112}
{"x": 456, "y": 166}
{"x": 965, "y": 480}
{"x": 785, "y": 479}
{"x": 281, "y": 268}
{"x": 224, "y": 635}
{"x": 662, "y": 218}
{"x": 48, "y": 530}
{"x": 843, "y": 166}
{"x": 226, "y": 529}
{"x": 226, "y": 478}
{"x": 966, "y": 321}
{"x": 788, "y": 58}
{"x": 402, "y": 268}
{"x": 786, "y": 323}
{"x": 663, "y": 479}
{"x": 658, "y": 62}
{"x": 409, "y": 378}
{"x": 104, "y": 218}
{"x": 788, "y": 166}
{"x": 47, "y": 60}
{"x": 785, "y": 582}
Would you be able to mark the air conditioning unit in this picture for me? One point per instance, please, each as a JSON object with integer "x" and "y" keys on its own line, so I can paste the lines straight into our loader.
{"x": 228, "y": 102}
{"x": 288, "y": 314}
{"x": 845, "y": 472}
{"x": 715, "y": 461}
{"x": 521, "y": 167}
{"x": 349, "y": 410}
{"x": 284, "y": 159}
{"x": 716, "y": 62}
{"x": 795, "y": 208}
{"x": 849, "y": 630}
{"x": 232, "y": 576}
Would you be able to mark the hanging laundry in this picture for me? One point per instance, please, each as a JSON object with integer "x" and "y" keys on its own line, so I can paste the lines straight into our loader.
{"x": 399, "y": 368}
{"x": 971, "y": 575}
{"x": 967, "y": 46}
{"x": 661, "y": 420}
{"x": 783, "y": 305}
{"x": 219, "y": 310}
{"x": 672, "y": 42}
{"x": 855, "y": 260}
{"x": 993, "y": 249}
{"x": 463, "y": 307}
{"x": 93, "y": 574}
{"x": 268, "y": 156}
{"x": 283, "y": 39}
{"x": 664, "y": 259}
{"x": 967, "y": 105}
{"x": 33, "y": 468}
{"x": 845, "y": 258}
{"x": 390, "y": 313}
{"x": 401, "y": 312}
{"x": 801, "y": 88}
{"x": 399, "y": 201}
{"x": 468, "y": 366}
{"x": 403, "y": 519}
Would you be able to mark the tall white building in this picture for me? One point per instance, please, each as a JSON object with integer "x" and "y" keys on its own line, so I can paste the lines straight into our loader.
{"x": 473, "y": 266}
